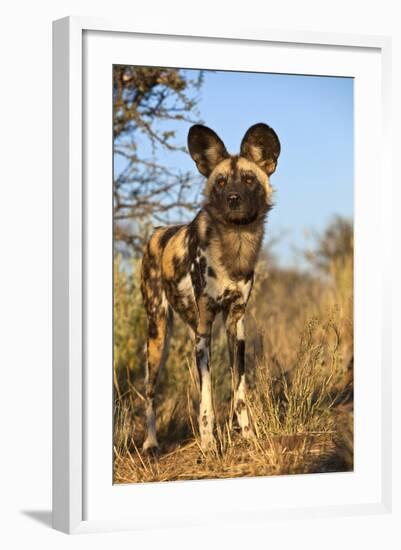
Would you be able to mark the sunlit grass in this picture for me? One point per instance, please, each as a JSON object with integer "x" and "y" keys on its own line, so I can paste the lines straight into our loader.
{"x": 300, "y": 374}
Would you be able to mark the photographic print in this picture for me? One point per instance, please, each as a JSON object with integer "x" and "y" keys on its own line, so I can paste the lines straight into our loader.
{"x": 233, "y": 274}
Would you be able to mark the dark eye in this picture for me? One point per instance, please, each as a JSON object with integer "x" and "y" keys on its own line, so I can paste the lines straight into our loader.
{"x": 249, "y": 179}
{"x": 221, "y": 180}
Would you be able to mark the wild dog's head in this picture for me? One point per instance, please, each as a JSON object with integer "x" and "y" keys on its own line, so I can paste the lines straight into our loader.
{"x": 238, "y": 189}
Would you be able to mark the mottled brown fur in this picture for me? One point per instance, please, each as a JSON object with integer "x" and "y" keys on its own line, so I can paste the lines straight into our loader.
{"x": 207, "y": 266}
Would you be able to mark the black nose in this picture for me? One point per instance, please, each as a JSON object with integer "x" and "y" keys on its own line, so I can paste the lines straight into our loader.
{"x": 233, "y": 200}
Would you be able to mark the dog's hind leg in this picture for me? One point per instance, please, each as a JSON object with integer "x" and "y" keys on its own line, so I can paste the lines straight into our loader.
{"x": 160, "y": 319}
{"x": 159, "y": 332}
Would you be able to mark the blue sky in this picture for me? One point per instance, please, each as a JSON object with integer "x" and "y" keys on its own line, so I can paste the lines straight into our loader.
{"x": 313, "y": 117}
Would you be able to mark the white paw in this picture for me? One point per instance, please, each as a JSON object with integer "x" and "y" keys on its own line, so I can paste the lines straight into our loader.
{"x": 149, "y": 444}
{"x": 208, "y": 443}
{"x": 247, "y": 432}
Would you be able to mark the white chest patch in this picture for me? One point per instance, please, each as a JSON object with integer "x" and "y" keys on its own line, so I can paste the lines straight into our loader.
{"x": 220, "y": 284}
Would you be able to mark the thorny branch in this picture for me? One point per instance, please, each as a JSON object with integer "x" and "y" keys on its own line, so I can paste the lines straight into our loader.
{"x": 144, "y": 191}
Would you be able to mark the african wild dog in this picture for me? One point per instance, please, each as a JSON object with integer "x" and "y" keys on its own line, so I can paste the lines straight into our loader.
{"x": 207, "y": 266}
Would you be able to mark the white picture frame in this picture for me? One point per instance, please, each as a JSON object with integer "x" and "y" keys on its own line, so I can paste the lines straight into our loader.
{"x": 75, "y": 483}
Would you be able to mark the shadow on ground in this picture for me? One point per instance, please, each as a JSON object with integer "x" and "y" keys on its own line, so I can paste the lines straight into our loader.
{"x": 41, "y": 516}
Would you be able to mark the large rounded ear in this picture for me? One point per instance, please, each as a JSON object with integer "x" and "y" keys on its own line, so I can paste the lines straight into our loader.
{"x": 206, "y": 148}
{"x": 261, "y": 145}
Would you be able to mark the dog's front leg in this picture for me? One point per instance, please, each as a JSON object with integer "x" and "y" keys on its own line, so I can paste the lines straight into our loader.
{"x": 206, "y": 410}
{"x": 236, "y": 344}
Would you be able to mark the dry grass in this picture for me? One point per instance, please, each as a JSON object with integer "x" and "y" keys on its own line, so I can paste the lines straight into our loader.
{"x": 299, "y": 370}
